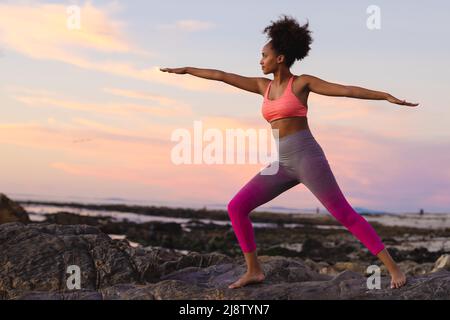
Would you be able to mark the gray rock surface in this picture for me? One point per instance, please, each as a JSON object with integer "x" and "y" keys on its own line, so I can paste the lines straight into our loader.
{"x": 34, "y": 260}
{"x": 10, "y": 211}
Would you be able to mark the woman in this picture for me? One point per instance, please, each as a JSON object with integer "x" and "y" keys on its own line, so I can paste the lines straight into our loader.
{"x": 301, "y": 159}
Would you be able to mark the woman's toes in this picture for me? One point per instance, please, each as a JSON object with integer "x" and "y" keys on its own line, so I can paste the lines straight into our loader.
{"x": 234, "y": 285}
{"x": 398, "y": 284}
{"x": 247, "y": 279}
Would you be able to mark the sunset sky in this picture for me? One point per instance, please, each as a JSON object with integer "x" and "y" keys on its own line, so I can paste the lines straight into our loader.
{"x": 86, "y": 112}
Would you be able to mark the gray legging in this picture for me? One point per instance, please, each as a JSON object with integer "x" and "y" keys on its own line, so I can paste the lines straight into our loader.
{"x": 301, "y": 160}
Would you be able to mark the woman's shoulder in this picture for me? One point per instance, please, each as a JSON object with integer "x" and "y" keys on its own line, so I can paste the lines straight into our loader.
{"x": 264, "y": 85}
{"x": 300, "y": 82}
{"x": 301, "y": 77}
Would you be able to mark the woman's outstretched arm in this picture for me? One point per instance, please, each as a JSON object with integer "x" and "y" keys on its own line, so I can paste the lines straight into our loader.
{"x": 255, "y": 85}
{"x": 210, "y": 74}
{"x": 320, "y": 86}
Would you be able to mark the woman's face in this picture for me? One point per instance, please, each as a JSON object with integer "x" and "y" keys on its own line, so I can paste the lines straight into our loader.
{"x": 269, "y": 61}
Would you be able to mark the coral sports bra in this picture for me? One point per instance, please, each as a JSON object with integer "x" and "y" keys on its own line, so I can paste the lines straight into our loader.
{"x": 288, "y": 105}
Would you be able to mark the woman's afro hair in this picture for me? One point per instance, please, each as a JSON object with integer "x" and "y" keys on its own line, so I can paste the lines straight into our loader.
{"x": 290, "y": 39}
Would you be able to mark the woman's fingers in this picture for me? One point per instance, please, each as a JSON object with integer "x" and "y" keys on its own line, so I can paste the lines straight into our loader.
{"x": 175, "y": 70}
{"x": 167, "y": 70}
{"x": 401, "y": 102}
{"x": 410, "y": 104}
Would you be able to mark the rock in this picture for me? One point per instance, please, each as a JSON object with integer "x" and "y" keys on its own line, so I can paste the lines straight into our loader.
{"x": 279, "y": 251}
{"x": 352, "y": 266}
{"x": 315, "y": 266}
{"x": 442, "y": 263}
{"x": 410, "y": 267}
{"x": 68, "y": 218}
{"x": 35, "y": 257}
{"x": 11, "y": 211}
{"x": 419, "y": 255}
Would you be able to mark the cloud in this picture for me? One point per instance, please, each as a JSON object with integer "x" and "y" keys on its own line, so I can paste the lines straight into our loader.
{"x": 372, "y": 169}
{"x": 107, "y": 154}
{"x": 379, "y": 117}
{"x": 44, "y": 98}
{"x": 187, "y": 26}
{"x": 133, "y": 94}
{"x": 388, "y": 170}
{"x": 40, "y": 31}
{"x": 60, "y": 135}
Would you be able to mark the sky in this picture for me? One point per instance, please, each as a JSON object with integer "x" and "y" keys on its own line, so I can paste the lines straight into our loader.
{"x": 85, "y": 111}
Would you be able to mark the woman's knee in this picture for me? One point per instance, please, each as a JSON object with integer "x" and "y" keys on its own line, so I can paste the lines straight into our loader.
{"x": 347, "y": 216}
{"x": 235, "y": 208}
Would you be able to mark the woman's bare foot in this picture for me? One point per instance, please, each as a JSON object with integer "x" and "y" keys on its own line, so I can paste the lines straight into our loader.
{"x": 248, "y": 278}
{"x": 398, "y": 278}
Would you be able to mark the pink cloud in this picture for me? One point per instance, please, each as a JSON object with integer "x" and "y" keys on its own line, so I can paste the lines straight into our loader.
{"x": 372, "y": 170}
{"x": 40, "y": 31}
{"x": 43, "y": 98}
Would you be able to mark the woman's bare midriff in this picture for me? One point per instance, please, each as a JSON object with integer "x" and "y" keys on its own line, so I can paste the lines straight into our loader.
{"x": 291, "y": 125}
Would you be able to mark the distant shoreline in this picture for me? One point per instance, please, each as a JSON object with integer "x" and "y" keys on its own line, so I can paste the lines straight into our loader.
{"x": 257, "y": 216}
{"x": 107, "y": 201}
{"x": 411, "y": 220}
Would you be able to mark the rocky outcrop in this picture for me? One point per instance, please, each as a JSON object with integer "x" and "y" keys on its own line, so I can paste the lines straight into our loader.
{"x": 333, "y": 249}
{"x": 35, "y": 259}
{"x": 11, "y": 211}
{"x": 442, "y": 263}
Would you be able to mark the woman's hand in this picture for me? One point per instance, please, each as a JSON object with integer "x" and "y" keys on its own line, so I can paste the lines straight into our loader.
{"x": 400, "y": 102}
{"x": 176, "y": 70}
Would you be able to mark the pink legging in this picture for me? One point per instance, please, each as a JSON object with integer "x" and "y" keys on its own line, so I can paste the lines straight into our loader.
{"x": 301, "y": 160}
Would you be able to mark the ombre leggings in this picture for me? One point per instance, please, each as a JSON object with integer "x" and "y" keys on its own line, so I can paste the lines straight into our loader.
{"x": 301, "y": 160}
